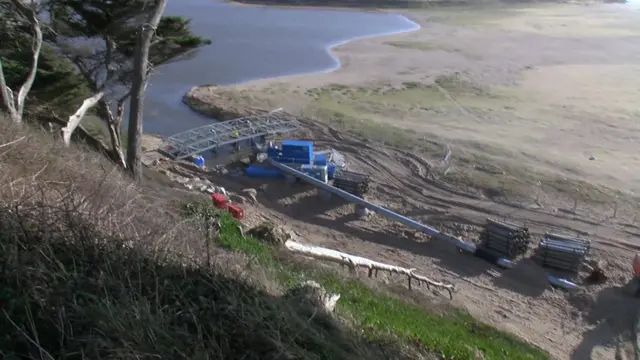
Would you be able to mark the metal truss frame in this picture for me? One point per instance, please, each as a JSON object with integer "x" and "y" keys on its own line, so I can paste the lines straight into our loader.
{"x": 208, "y": 137}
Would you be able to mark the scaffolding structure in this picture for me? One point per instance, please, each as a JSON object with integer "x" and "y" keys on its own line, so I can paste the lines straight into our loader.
{"x": 210, "y": 137}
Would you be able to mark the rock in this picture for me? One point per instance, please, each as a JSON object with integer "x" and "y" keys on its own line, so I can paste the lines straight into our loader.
{"x": 251, "y": 194}
{"x": 363, "y": 212}
{"x": 237, "y": 199}
{"x": 597, "y": 276}
{"x": 314, "y": 294}
{"x": 270, "y": 234}
{"x": 596, "y": 271}
{"x": 261, "y": 157}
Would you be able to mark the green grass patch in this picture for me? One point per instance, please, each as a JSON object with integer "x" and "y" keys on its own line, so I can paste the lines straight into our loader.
{"x": 453, "y": 334}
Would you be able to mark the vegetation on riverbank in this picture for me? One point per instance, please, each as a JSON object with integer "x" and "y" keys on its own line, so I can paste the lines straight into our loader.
{"x": 448, "y": 332}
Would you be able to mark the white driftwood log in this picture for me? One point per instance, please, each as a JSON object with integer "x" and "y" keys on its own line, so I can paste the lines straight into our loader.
{"x": 354, "y": 261}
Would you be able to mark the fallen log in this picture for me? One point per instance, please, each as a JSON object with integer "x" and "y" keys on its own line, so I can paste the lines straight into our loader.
{"x": 354, "y": 261}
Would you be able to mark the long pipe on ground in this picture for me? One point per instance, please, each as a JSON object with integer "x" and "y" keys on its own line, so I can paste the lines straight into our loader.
{"x": 470, "y": 248}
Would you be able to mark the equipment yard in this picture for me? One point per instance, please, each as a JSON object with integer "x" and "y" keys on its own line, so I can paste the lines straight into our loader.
{"x": 525, "y": 116}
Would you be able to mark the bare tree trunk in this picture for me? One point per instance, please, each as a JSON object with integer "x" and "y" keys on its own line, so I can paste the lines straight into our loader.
{"x": 114, "y": 125}
{"x": 76, "y": 118}
{"x": 7, "y": 94}
{"x": 141, "y": 65}
{"x": 15, "y": 104}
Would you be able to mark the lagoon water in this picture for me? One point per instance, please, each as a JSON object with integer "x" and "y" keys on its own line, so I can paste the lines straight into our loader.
{"x": 252, "y": 43}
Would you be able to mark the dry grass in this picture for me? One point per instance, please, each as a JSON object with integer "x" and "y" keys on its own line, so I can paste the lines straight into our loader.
{"x": 92, "y": 267}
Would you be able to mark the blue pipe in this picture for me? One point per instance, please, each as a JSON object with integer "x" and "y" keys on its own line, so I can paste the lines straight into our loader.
{"x": 477, "y": 251}
{"x": 562, "y": 283}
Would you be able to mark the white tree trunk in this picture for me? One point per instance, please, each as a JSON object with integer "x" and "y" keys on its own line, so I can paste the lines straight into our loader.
{"x": 15, "y": 104}
{"x": 138, "y": 86}
{"x": 354, "y": 261}
{"x": 76, "y": 118}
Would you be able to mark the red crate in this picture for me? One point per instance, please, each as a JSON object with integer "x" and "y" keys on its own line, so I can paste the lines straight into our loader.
{"x": 220, "y": 201}
{"x": 236, "y": 211}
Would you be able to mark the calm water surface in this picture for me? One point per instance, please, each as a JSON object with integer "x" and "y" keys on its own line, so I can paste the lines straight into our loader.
{"x": 252, "y": 43}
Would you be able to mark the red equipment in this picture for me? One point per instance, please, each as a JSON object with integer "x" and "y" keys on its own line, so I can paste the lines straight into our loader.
{"x": 220, "y": 201}
{"x": 236, "y": 211}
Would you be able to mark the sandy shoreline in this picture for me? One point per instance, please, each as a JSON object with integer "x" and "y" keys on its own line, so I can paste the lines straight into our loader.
{"x": 493, "y": 70}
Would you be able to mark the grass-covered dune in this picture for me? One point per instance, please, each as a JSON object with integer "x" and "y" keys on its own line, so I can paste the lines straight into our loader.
{"x": 94, "y": 267}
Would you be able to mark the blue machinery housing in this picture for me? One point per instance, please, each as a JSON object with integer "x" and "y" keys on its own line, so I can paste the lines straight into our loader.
{"x": 470, "y": 248}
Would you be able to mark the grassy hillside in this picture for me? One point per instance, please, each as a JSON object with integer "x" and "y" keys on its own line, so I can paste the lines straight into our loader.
{"x": 96, "y": 267}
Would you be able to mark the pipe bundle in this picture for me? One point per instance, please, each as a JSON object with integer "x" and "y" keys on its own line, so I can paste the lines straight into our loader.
{"x": 505, "y": 239}
{"x": 563, "y": 252}
{"x": 352, "y": 182}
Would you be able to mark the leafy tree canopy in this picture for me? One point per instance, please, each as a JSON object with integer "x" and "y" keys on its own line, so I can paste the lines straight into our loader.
{"x": 115, "y": 24}
{"x": 57, "y": 85}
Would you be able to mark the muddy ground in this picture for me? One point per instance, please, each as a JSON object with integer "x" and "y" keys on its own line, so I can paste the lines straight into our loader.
{"x": 538, "y": 104}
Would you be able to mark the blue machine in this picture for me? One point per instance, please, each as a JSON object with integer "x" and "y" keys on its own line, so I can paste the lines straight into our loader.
{"x": 331, "y": 170}
{"x": 319, "y": 165}
{"x": 297, "y": 152}
{"x": 198, "y": 160}
{"x": 319, "y": 172}
{"x": 320, "y": 159}
{"x": 292, "y": 152}
{"x": 263, "y": 172}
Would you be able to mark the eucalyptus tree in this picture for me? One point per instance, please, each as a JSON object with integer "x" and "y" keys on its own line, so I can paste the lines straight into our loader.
{"x": 100, "y": 37}
{"x": 18, "y": 17}
{"x": 146, "y": 33}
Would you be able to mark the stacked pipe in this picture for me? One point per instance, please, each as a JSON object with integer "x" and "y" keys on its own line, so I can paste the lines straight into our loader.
{"x": 505, "y": 239}
{"x": 563, "y": 252}
{"x": 352, "y": 182}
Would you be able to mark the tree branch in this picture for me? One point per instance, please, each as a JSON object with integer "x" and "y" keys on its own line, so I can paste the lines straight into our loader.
{"x": 76, "y": 118}
{"x": 7, "y": 94}
{"x": 30, "y": 13}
